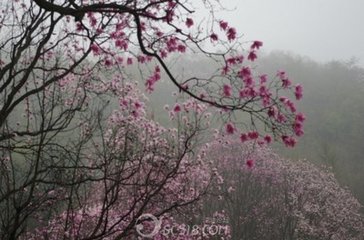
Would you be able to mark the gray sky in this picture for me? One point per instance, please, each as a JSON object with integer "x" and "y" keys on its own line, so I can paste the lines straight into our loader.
{"x": 323, "y": 30}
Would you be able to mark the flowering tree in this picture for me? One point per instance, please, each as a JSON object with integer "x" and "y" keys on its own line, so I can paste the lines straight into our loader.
{"x": 135, "y": 166}
{"x": 266, "y": 197}
{"x": 63, "y": 64}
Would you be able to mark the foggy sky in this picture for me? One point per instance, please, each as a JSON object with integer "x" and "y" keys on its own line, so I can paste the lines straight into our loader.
{"x": 323, "y": 30}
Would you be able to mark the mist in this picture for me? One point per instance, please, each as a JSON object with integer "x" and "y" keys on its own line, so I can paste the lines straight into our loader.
{"x": 209, "y": 119}
{"x": 323, "y": 30}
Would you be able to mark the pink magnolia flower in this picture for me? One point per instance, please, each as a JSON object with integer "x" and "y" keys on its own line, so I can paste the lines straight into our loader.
{"x": 214, "y": 37}
{"x": 251, "y": 92}
{"x": 256, "y": 45}
{"x": 291, "y": 106}
{"x": 263, "y": 91}
{"x": 122, "y": 44}
{"x": 300, "y": 117}
{"x": 108, "y": 62}
{"x": 252, "y": 56}
{"x": 177, "y": 108}
{"x": 181, "y": 48}
{"x": 253, "y": 135}
{"x": 227, "y": 90}
{"x": 225, "y": 70}
{"x": 152, "y": 80}
{"x": 231, "y": 61}
{"x": 141, "y": 59}
{"x": 79, "y": 27}
{"x": 189, "y": 22}
{"x": 298, "y": 91}
{"x": 281, "y": 74}
{"x": 283, "y": 99}
{"x": 223, "y": 25}
{"x": 298, "y": 126}
{"x": 298, "y": 129}
{"x": 99, "y": 30}
{"x": 249, "y": 81}
{"x": 266, "y": 101}
{"x": 163, "y": 53}
{"x": 245, "y": 72}
{"x": 119, "y": 59}
{"x": 171, "y": 4}
{"x": 135, "y": 113}
{"x": 272, "y": 111}
{"x": 248, "y": 92}
{"x": 138, "y": 105}
{"x": 289, "y": 141}
{"x": 286, "y": 82}
{"x": 268, "y": 139}
{"x": 243, "y": 93}
{"x": 92, "y": 19}
{"x": 230, "y": 128}
{"x": 250, "y": 163}
{"x": 231, "y": 34}
{"x": 263, "y": 78}
{"x": 95, "y": 49}
{"x": 244, "y": 137}
{"x": 240, "y": 59}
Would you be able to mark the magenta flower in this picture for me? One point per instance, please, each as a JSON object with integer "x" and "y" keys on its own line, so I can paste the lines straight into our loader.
{"x": 245, "y": 72}
{"x": 298, "y": 91}
{"x": 231, "y": 34}
{"x": 256, "y": 45}
{"x": 263, "y": 78}
{"x": 141, "y": 59}
{"x": 177, "y": 108}
{"x": 300, "y": 117}
{"x": 181, "y": 48}
{"x": 214, "y": 37}
{"x": 298, "y": 129}
{"x": 250, "y": 163}
{"x": 272, "y": 111}
{"x": 249, "y": 82}
{"x": 163, "y": 54}
{"x": 138, "y": 105}
{"x": 225, "y": 70}
{"x": 289, "y": 141}
{"x": 286, "y": 82}
{"x": 244, "y": 137}
{"x": 231, "y": 61}
{"x": 281, "y": 74}
{"x": 268, "y": 139}
{"x": 230, "y": 129}
{"x": 95, "y": 49}
{"x": 227, "y": 90}
{"x": 252, "y": 56}
{"x": 240, "y": 59}
{"x": 189, "y": 22}
{"x": 79, "y": 27}
{"x": 108, "y": 62}
{"x": 223, "y": 25}
{"x": 253, "y": 135}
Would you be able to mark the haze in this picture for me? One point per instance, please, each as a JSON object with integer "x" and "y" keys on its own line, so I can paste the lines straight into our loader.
{"x": 323, "y": 30}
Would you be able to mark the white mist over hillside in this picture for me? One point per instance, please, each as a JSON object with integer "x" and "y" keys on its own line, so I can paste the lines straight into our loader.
{"x": 324, "y": 30}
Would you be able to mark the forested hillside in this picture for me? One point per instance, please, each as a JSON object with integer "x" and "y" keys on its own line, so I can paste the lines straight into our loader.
{"x": 333, "y": 104}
